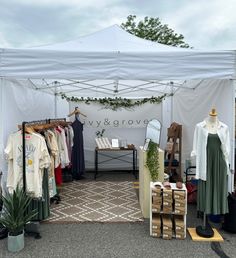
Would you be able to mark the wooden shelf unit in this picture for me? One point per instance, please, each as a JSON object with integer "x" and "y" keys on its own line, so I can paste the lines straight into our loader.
{"x": 174, "y": 133}
{"x": 173, "y": 215}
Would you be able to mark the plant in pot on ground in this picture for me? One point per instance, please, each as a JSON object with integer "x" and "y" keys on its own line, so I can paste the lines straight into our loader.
{"x": 15, "y": 216}
{"x": 152, "y": 161}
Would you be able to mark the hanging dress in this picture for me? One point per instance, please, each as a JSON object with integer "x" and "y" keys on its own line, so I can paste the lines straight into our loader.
{"x": 58, "y": 171}
{"x": 212, "y": 193}
{"x": 41, "y": 205}
{"x": 77, "y": 156}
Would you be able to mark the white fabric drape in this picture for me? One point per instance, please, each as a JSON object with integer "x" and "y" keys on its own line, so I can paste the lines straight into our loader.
{"x": 192, "y": 106}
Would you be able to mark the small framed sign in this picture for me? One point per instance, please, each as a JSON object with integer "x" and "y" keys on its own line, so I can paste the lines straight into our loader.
{"x": 115, "y": 143}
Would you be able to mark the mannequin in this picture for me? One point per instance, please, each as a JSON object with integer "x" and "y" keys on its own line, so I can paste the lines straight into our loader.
{"x": 211, "y": 147}
{"x": 212, "y": 122}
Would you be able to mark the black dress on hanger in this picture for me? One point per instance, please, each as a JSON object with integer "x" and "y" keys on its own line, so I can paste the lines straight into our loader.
{"x": 77, "y": 157}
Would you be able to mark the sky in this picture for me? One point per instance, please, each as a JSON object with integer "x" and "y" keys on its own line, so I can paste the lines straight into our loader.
{"x": 204, "y": 24}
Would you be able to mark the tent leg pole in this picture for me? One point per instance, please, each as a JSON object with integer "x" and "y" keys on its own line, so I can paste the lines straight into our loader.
{"x": 172, "y": 103}
{"x": 232, "y": 168}
{"x": 2, "y": 128}
{"x": 55, "y": 105}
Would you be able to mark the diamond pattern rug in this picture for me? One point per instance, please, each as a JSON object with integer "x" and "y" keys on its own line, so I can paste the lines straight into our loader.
{"x": 96, "y": 201}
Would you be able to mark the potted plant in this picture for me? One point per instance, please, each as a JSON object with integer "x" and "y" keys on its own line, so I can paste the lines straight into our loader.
{"x": 152, "y": 161}
{"x": 100, "y": 134}
{"x": 15, "y": 216}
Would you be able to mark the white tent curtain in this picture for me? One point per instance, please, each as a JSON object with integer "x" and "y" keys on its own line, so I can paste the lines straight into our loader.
{"x": 193, "y": 106}
{"x": 188, "y": 106}
{"x": 20, "y": 103}
{"x": 125, "y": 125}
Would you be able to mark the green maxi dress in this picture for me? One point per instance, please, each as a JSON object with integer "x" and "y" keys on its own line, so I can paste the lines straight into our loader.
{"x": 212, "y": 193}
{"x": 41, "y": 205}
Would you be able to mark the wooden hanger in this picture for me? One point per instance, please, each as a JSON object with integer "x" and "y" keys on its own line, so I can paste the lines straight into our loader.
{"x": 76, "y": 111}
{"x": 37, "y": 127}
{"x": 29, "y": 129}
{"x": 64, "y": 123}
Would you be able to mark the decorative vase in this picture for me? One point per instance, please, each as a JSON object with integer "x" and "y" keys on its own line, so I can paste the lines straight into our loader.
{"x": 16, "y": 243}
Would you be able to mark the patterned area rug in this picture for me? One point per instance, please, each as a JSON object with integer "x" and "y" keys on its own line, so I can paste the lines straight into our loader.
{"x": 96, "y": 201}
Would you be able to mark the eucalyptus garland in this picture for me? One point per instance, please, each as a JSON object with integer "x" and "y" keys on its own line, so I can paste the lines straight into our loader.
{"x": 152, "y": 161}
{"x": 116, "y": 103}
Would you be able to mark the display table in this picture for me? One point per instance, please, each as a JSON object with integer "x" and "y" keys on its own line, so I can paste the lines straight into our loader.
{"x": 145, "y": 179}
{"x": 109, "y": 155}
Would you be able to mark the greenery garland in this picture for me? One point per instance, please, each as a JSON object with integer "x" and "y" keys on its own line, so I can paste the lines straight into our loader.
{"x": 152, "y": 161}
{"x": 116, "y": 103}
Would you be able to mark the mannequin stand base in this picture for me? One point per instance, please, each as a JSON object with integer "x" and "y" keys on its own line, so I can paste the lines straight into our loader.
{"x": 195, "y": 237}
{"x": 205, "y": 231}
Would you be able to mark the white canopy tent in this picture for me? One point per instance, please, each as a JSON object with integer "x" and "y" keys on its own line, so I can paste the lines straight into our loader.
{"x": 114, "y": 63}
{"x": 115, "y": 54}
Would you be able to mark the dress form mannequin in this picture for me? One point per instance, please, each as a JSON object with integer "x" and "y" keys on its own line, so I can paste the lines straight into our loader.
{"x": 212, "y": 122}
{"x": 212, "y": 190}
{"x": 211, "y": 147}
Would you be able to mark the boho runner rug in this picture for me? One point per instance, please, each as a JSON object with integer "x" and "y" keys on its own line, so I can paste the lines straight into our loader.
{"x": 96, "y": 201}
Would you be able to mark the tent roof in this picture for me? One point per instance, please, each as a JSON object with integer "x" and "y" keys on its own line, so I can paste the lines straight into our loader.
{"x": 110, "y": 39}
{"x": 112, "y": 62}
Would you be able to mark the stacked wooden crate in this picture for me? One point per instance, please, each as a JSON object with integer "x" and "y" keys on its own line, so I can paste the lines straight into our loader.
{"x": 168, "y": 211}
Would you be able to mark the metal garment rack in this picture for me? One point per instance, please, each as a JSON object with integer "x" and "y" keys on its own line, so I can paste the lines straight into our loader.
{"x": 55, "y": 120}
{"x": 24, "y": 124}
{"x": 32, "y": 228}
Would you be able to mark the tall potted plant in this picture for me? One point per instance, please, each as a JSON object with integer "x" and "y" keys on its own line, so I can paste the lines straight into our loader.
{"x": 15, "y": 216}
{"x": 152, "y": 161}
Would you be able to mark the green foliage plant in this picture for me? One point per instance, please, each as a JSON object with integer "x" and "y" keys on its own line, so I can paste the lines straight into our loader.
{"x": 152, "y": 29}
{"x": 100, "y": 134}
{"x": 15, "y": 214}
{"x": 116, "y": 103}
{"x": 152, "y": 161}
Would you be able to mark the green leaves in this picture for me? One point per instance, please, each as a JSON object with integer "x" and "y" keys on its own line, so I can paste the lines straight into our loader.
{"x": 152, "y": 29}
{"x": 152, "y": 161}
{"x": 116, "y": 103}
{"x": 100, "y": 133}
{"x": 15, "y": 214}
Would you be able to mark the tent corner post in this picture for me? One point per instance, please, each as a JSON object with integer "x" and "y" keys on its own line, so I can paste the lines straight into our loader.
{"x": 172, "y": 102}
{"x": 23, "y": 156}
{"x": 55, "y": 105}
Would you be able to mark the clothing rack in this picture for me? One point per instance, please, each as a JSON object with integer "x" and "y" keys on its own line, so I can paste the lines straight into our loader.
{"x": 23, "y": 126}
{"x": 23, "y": 146}
{"x": 57, "y": 197}
{"x": 33, "y": 228}
{"x": 56, "y": 120}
